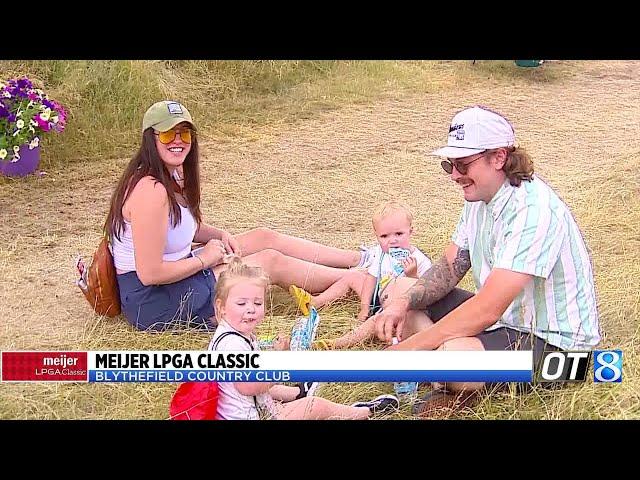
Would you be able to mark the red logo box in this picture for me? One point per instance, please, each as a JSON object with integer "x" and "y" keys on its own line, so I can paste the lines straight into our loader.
{"x": 44, "y": 367}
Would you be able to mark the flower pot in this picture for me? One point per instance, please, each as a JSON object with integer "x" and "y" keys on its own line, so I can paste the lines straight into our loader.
{"x": 28, "y": 163}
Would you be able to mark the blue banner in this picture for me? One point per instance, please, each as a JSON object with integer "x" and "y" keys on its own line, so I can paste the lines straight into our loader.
{"x": 309, "y": 375}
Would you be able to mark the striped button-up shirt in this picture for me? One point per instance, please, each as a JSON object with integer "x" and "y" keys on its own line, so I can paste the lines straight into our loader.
{"x": 529, "y": 229}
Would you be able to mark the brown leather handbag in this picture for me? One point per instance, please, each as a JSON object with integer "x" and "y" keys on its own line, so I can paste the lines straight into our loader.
{"x": 99, "y": 285}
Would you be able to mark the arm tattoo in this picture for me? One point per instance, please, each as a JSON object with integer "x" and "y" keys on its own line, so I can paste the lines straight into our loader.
{"x": 438, "y": 281}
{"x": 461, "y": 264}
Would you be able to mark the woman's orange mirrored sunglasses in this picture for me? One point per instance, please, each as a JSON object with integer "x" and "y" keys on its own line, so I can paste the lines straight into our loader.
{"x": 170, "y": 135}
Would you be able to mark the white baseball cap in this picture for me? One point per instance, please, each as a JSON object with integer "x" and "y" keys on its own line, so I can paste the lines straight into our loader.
{"x": 475, "y": 130}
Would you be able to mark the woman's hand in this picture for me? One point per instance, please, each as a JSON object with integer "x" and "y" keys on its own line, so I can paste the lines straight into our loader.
{"x": 213, "y": 253}
{"x": 231, "y": 244}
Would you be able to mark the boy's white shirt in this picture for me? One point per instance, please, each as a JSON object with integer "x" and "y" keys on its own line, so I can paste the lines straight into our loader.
{"x": 232, "y": 405}
{"x": 422, "y": 261}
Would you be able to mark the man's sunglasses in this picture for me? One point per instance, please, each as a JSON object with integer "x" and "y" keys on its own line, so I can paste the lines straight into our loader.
{"x": 170, "y": 135}
{"x": 449, "y": 164}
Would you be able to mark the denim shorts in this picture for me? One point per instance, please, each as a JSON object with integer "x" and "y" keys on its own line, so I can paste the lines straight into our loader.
{"x": 185, "y": 303}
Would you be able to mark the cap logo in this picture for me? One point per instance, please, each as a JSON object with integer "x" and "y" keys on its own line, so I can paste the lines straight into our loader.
{"x": 174, "y": 108}
{"x": 459, "y": 131}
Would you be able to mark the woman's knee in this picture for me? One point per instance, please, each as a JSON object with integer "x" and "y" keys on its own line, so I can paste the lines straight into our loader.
{"x": 268, "y": 238}
{"x": 267, "y": 259}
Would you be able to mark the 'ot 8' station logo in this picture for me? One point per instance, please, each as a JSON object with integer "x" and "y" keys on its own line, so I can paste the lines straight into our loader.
{"x": 607, "y": 366}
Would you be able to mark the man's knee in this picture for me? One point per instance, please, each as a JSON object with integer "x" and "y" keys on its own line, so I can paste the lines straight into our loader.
{"x": 463, "y": 344}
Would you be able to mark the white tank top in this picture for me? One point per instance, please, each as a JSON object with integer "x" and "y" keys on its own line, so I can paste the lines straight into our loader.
{"x": 178, "y": 244}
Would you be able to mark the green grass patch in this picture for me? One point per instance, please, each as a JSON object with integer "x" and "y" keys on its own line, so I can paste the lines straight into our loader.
{"x": 107, "y": 99}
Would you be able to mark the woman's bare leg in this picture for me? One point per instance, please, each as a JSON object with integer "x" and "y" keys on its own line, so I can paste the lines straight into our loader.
{"x": 264, "y": 238}
{"x": 317, "y": 408}
{"x": 284, "y": 271}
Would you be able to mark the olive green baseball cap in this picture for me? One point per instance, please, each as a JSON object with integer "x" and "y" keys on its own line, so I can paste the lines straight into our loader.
{"x": 165, "y": 115}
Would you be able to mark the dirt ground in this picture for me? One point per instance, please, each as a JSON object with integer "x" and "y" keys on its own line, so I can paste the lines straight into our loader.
{"x": 320, "y": 178}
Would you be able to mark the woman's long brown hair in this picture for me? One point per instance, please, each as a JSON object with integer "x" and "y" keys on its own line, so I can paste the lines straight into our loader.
{"x": 147, "y": 162}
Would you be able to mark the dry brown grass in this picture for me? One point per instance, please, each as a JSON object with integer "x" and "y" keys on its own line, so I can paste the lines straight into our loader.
{"x": 319, "y": 177}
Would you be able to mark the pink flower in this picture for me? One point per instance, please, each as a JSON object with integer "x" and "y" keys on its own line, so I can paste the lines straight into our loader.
{"x": 62, "y": 114}
{"x": 19, "y": 102}
{"x": 43, "y": 124}
{"x": 62, "y": 118}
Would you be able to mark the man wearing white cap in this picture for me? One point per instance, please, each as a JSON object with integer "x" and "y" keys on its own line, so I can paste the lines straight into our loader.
{"x": 530, "y": 264}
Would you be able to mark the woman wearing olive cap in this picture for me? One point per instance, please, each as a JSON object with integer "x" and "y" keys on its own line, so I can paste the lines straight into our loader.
{"x": 155, "y": 216}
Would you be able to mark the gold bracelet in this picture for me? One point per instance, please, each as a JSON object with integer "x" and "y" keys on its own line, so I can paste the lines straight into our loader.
{"x": 203, "y": 267}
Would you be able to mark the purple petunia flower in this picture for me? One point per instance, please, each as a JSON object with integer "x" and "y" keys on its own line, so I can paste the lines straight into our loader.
{"x": 24, "y": 83}
{"x": 15, "y": 94}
